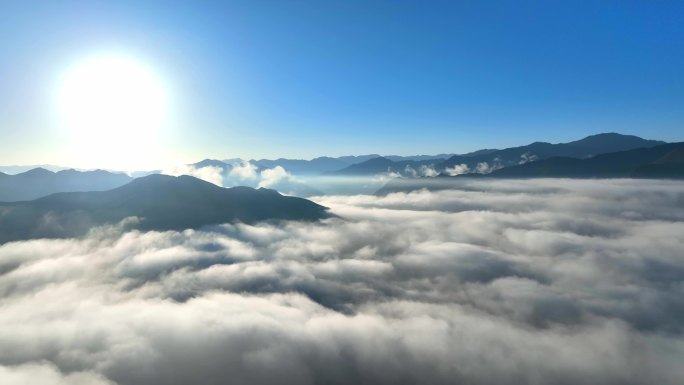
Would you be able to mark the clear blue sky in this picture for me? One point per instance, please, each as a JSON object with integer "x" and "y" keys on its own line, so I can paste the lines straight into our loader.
{"x": 307, "y": 78}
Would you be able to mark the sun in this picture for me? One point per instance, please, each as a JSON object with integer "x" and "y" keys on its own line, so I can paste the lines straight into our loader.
{"x": 113, "y": 108}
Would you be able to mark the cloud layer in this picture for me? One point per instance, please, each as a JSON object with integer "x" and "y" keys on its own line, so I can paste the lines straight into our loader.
{"x": 536, "y": 282}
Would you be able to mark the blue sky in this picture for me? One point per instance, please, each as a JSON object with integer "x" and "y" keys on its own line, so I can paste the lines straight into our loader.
{"x": 308, "y": 78}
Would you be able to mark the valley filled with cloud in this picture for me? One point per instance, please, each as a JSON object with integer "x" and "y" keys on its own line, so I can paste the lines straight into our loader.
{"x": 498, "y": 281}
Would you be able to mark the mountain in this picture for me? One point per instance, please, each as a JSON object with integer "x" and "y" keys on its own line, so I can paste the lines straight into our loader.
{"x": 381, "y": 165}
{"x": 371, "y": 166}
{"x": 40, "y": 182}
{"x": 662, "y": 161}
{"x": 353, "y": 159}
{"x": 328, "y": 165}
{"x": 160, "y": 202}
{"x": 489, "y": 161}
{"x": 316, "y": 166}
{"x": 211, "y": 163}
{"x": 483, "y": 151}
{"x": 671, "y": 165}
{"x": 304, "y": 167}
{"x": 397, "y": 158}
{"x": 19, "y": 169}
{"x": 610, "y": 142}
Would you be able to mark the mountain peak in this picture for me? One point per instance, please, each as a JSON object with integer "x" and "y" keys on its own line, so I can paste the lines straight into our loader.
{"x": 161, "y": 202}
{"x": 161, "y": 181}
{"x": 608, "y": 135}
{"x": 38, "y": 171}
{"x": 613, "y": 141}
{"x": 72, "y": 171}
{"x": 209, "y": 163}
{"x": 379, "y": 160}
{"x": 67, "y": 171}
{"x": 40, "y": 182}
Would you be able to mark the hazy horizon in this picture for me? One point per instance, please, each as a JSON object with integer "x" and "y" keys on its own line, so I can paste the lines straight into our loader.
{"x": 177, "y": 162}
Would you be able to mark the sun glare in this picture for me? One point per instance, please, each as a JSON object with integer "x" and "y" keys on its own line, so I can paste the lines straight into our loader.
{"x": 113, "y": 108}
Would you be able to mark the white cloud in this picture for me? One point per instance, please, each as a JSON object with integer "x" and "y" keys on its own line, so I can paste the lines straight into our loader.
{"x": 211, "y": 174}
{"x": 245, "y": 171}
{"x": 47, "y": 374}
{"x": 271, "y": 176}
{"x": 423, "y": 171}
{"x": 428, "y": 171}
{"x": 484, "y": 168}
{"x": 458, "y": 169}
{"x": 410, "y": 171}
{"x": 527, "y": 157}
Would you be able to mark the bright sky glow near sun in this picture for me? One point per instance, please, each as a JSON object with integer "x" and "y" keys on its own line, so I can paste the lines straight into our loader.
{"x": 110, "y": 103}
{"x": 126, "y": 85}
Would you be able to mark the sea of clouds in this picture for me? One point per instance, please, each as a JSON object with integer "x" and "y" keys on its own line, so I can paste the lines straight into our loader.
{"x": 490, "y": 282}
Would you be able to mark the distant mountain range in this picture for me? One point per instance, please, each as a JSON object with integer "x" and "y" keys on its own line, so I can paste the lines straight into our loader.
{"x": 662, "y": 161}
{"x": 586, "y": 157}
{"x": 19, "y": 169}
{"x": 329, "y": 165}
{"x": 480, "y": 161}
{"x": 160, "y": 202}
{"x": 384, "y": 165}
{"x": 305, "y": 167}
{"x": 486, "y": 161}
{"x": 40, "y": 182}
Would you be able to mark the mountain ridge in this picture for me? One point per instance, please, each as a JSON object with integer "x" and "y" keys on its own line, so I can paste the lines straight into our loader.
{"x": 39, "y": 182}
{"x": 665, "y": 161}
{"x": 161, "y": 202}
{"x": 487, "y": 160}
{"x": 609, "y": 165}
